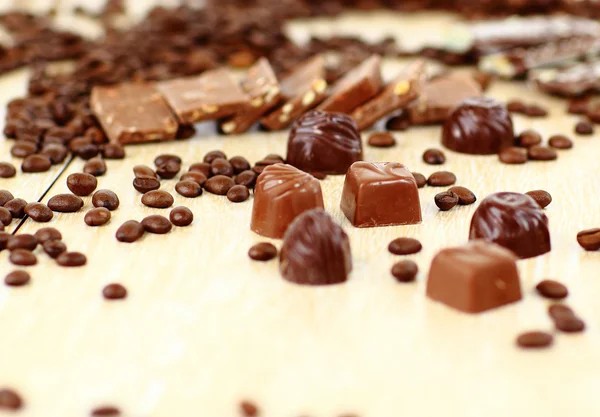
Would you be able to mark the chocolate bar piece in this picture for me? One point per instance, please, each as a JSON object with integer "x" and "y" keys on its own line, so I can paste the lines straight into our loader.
{"x": 380, "y": 194}
{"x": 355, "y": 88}
{"x": 262, "y": 88}
{"x": 133, "y": 112}
{"x": 212, "y": 95}
{"x": 474, "y": 278}
{"x": 397, "y": 95}
{"x": 572, "y": 81}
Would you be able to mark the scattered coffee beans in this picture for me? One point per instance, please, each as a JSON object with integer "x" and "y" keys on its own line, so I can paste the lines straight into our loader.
{"x": 158, "y": 199}
{"x": 238, "y": 193}
{"x": 97, "y": 216}
{"x": 47, "y": 233}
{"x": 53, "y": 248}
{"x": 589, "y": 239}
{"x": 39, "y": 212}
{"x": 434, "y": 157}
{"x": 543, "y": 198}
{"x": 219, "y": 184}
{"x": 7, "y": 170}
{"x": 10, "y": 400}
{"x": 541, "y": 153}
{"x": 239, "y": 164}
{"x": 22, "y": 241}
{"x": 16, "y": 206}
{"x": 528, "y": 138}
{"x": 65, "y": 203}
{"x": 114, "y": 292}
{"x": 188, "y": 188}
{"x": 446, "y": 200}
{"x": 552, "y": 289}
{"x": 145, "y": 183}
{"x": 82, "y": 184}
{"x": 130, "y": 231}
{"x": 106, "y": 199}
{"x": 95, "y": 167}
{"x": 405, "y": 271}
{"x": 441, "y": 179}
{"x": 420, "y": 179}
{"x": 168, "y": 170}
{"x": 381, "y": 140}
{"x": 181, "y": 216}
{"x": 17, "y": 278}
{"x": 157, "y": 224}
{"x": 560, "y": 142}
{"x": 220, "y": 166}
{"x": 262, "y": 251}
{"x": 405, "y": 246}
{"x": 22, "y": 257}
{"x": 71, "y": 259}
{"x": 534, "y": 340}
{"x": 584, "y": 128}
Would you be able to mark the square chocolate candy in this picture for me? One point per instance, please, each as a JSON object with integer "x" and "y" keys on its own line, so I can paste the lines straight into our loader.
{"x": 380, "y": 194}
{"x": 474, "y": 278}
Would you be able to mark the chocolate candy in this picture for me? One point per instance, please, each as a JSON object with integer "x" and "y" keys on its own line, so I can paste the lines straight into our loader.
{"x": 282, "y": 192}
{"x": 474, "y": 278}
{"x": 315, "y": 251}
{"x": 479, "y": 126}
{"x": 380, "y": 194}
{"x": 324, "y": 142}
{"x": 572, "y": 81}
{"x": 512, "y": 220}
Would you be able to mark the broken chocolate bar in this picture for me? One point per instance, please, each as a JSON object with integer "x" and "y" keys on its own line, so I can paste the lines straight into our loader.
{"x": 572, "y": 81}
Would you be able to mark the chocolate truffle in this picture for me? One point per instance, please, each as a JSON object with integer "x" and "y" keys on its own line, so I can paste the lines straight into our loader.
{"x": 512, "y": 220}
{"x": 324, "y": 142}
{"x": 474, "y": 278}
{"x": 479, "y": 126}
{"x": 380, "y": 194}
{"x": 315, "y": 251}
{"x": 282, "y": 192}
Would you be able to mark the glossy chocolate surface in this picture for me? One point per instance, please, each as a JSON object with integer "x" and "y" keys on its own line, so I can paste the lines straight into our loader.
{"x": 514, "y": 221}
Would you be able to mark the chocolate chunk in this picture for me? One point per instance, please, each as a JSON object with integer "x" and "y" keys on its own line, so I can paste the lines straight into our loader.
{"x": 181, "y": 216}
{"x": 381, "y": 140}
{"x": 324, "y": 142}
{"x": 572, "y": 81}
{"x": 134, "y": 112}
{"x": 543, "y": 198}
{"x": 263, "y": 251}
{"x": 405, "y": 271}
{"x": 589, "y": 239}
{"x": 534, "y": 340}
{"x": 474, "y": 278}
{"x": 282, "y": 192}
{"x": 514, "y": 221}
{"x": 380, "y": 194}
{"x": 315, "y": 251}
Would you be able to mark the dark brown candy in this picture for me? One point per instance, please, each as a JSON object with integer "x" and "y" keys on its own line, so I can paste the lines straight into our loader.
{"x": 65, "y": 203}
{"x": 543, "y": 198}
{"x": 114, "y": 292}
{"x": 188, "y": 188}
{"x": 181, "y": 216}
{"x": 589, "y": 239}
{"x": 262, "y": 251}
{"x": 22, "y": 241}
{"x": 145, "y": 183}
{"x": 130, "y": 231}
{"x": 219, "y": 184}
{"x": 158, "y": 199}
{"x": 238, "y": 193}
{"x": 22, "y": 257}
{"x": 71, "y": 259}
{"x": 528, "y": 138}
{"x": 39, "y": 212}
{"x": 16, "y": 279}
{"x": 97, "y": 216}
{"x": 381, "y": 140}
{"x": 534, "y": 340}
{"x": 105, "y": 198}
{"x": 95, "y": 167}
{"x": 405, "y": 271}
{"x": 541, "y": 153}
{"x": 53, "y": 248}
{"x": 16, "y": 206}
{"x": 156, "y": 224}
{"x": 315, "y": 251}
{"x": 513, "y": 155}
{"x": 7, "y": 170}
{"x": 82, "y": 184}
{"x": 446, "y": 200}
{"x": 441, "y": 179}
{"x": 465, "y": 196}
{"x": 36, "y": 163}
{"x": 552, "y": 289}
{"x": 514, "y": 221}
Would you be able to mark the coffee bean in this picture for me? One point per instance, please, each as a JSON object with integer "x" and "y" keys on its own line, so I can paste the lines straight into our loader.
{"x": 144, "y": 171}
{"x": 7, "y": 170}
{"x": 465, "y": 196}
{"x": 181, "y": 216}
{"x": 71, "y": 259}
{"x": 97, "y": 216}
{"x": 195, "y": 176}
{"x": 541, "y": 153}
{"x": 36, "y": 163}
{"x": 56, "y": 152}
{"x": 398, "y": 123}
{"x": 556, "y": 311}
{"x": 65, "y": 203}
{"x": 259, "y": 166}
{"x": 4, "y": 240}
{"x": 560, "y": 142}
{"x": 405, "y": 271}
{"x": 420, "y": 179}
{"x": 130, "y": 231}
{"x": 88, "y": 151}
{"x": 262, "y": 251}
{"x": 9, "y": 400}
{"x": 535, "y": 110}
{"x": 381, "y": 140}
{"x": 513, "y": 155}
{"x": 162, "y": 159}
{"x": 17, "y": 278}
{"x": 528, "y": 138}
{"x": 584, "y": 128}
{"x": 5, "y": 197}
{"x": 275, "y": 157}
{"x": 113, "y": 151}
{"x": 239, "y": 164}
{"x": 95, "y": 135}
{"x": 446, "y": 200}
{"x": 156, "y": 224}
{"x": 82, "y": 184}
{"x": 79, "y": 142}
{"x": 219, "y": 184}
{"x": 441, "y": 179}
{"x": 552, "y": 289}
{"x": 114, "y": 292}
{"x": 238, "y": 193}
{"x": 106, "y": 199}
{"x": 22, "y": 257}
{"x": 22, "y": 149}
{"x": 534, "y": 340}
{"x": 16, "y": 206}
{"x": 47, "y": 233}
{"x": 516, "y": 106}
{"x": 220, "y": 166}
{"x": 569, "y": 324}
{"x": 202, "y": 167}
{"x": 543, "y": 198}
{"x": 212, "y": 155}
{"x": 247, "y": 178}
{"x": 145, "y": 183}
{"x": 168, "y": 170}
{"x": 405, "y": 246}
{"x": 95, "y": 167}
{"x": 589, "y": 239}
{"x": 39, "y": 212}
{"x": 53, "y": 248}
{"x": 157, "y": 199}
{"x": 5, "y": 217}
{"x": 22, "y": 241}
{"x": 188, "y": 188}
{"x": 434, "y": 157}
{"x": 248, "y": 409}
{"x": 106, "y": 411}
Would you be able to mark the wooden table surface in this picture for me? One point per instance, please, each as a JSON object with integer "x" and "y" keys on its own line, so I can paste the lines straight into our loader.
{"x": 204, "y": 327}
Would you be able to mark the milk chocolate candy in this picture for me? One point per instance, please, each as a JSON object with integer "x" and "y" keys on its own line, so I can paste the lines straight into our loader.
{"x": 355, "y": 88}
{"x": 474, "y": 278}
{"x": 572, "y": 81}
{"x": 304, "y": 88}
{"x": 380, "y": 194}
{"x": 315, "y": 251}
{"x": 398, "y": 94}
{"x": 212, "y": 95}
{"x": 324, "y": 142}
{"x": 479, "y": 126}
{"x": 512, "y": 220}
{"x": 262, "y": 88}
{"x": 282, "y": 192}
{"x": 133, "y": 112}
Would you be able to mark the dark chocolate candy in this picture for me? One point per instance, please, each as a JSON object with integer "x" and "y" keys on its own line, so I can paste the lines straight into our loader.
{"x": 380, "y": 194}
{"x": 474, "y": 278}
{"x": 573, "y": 81}
{"x": 324, "y": 142}
{"x": 315, "y": 251}
{"x": 282, "y": 192}
{"x": 512, "y": 220}
{"x": 479, "y": 126}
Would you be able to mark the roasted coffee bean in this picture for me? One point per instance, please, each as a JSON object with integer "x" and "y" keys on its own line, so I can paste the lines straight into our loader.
{"x": 420, "y": 179}
{"x": 144, "y": 171}
{"x": 22, "y": 149}
{"x": 543, "y": 198}
{"x": 95, "y": 135}
{"x": 145, "y": 183}
{"x": 552, "y": 289}
{"x": 158, "y": 199}
{"x": 168, "y": 170}
{"x": 434, "y": 157}
{"x": 7, "y": 170}
{"x": 589, "y": 239}
{"x": 534, "y": 340}
{"x": 4, "y": 239}
{"x": 106, "y": 199}
{"x": 584, "y": 128}
{"x": 36, "y": 163}
{"x": 249, "y": 409}
{"x": 202, "y": 167}
{"x": 156, "y": 224}
{"x": 381, "y": 140}
{"x": 516, "y": 106}
{"x": 275, "y": 157}
{"x": 56, "y": 152}
{"x": 82, "y": 184}
{"x": 195, "y": 176}
{"x": 239, "y": 164}
{"x": 70, "y": 259}
{"x": 130, "y": 231}
{"x": 87, "y": 151}
{"x": 16, "y": 206}
{"x": 398, "y": 123}
{"x": 541, "y": 153}
{"x": 106, "y": 411}
{"x": 405, "y": 271}
{"x": 47, "y": 233}
{"x": 535, "y": 110}
{"x": 188, "y": 188}
{"x": 262, "y": 251}
{"x": 247, "y": 178}
{"x": 65, "y": 203}
{"x": 22, "y": 257}
{"x": 22, "y": 241}
{"x": 446, "y": 200}
{"x": 238, "y": 193}
{"x": 9, "y": 400}
{"x": 79, "y": 142}
{"x": 441, "y": 179}
{"x": 97, "y": 216}
{"x": 53, "y": 248}
{"x": 113, "y": 151}
{"x": 219, "y": 184}
{"x": 95, "y": 167}
{"x": 5, "y": 197}
{"x": 5, "y": 217}
{"x": 405, "y": 246}
{"x": 513, "y": 155}
{"x": 39, "y": 212}
{"x": 58, "y": 135}
{"x": 181, "y": 216}
{"x": 114, "y": 292}
{"x": 164, "y": 158}
{"x": 17, "y": 278}
{"x": 528, "y": 138}
{"x": 465, "y": 196}
{"x": 569, "y": 324}
{"x": 212, "y": 155}
{"x": 557, "y": 311}
{"x": 220, "y": 166}
{"x": 560, "y": 142}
